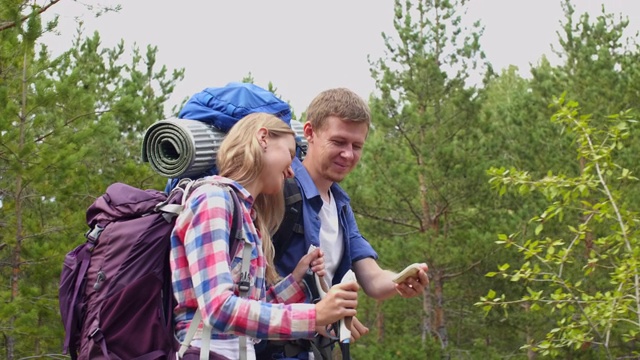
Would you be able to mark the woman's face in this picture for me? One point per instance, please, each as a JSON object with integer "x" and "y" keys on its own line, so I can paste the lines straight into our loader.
{"x": 278, "y": 155}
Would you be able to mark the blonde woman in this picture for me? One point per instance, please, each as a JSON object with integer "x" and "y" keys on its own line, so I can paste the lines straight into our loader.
{"x": 253, "y": 161}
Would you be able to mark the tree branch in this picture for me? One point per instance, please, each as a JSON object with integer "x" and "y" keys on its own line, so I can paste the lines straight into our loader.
{"x": 453, "y": 275}
{"x": 68, "y": 122}
{"x": 10, "y": 24}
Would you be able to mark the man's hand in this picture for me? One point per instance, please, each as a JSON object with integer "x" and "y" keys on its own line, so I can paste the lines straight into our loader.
{"x": 378, "y": 283}
{"x": 415, "y": 285}
{"x": 357, "y": 329}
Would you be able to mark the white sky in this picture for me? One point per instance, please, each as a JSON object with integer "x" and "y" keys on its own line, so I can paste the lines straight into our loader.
{"x": 304, "y": 47}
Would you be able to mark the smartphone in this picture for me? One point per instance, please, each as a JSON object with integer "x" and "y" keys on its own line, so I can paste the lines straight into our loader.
{"x": 410, "y": 271}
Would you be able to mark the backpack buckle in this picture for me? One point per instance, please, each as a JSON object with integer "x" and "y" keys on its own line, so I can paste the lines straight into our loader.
{"x": 97, "y": 333}
{"x": 243, "y": 284}
{"x": 93, "y": 234}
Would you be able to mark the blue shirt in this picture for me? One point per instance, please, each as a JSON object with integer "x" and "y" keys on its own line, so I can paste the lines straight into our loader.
{"x": 356, "y": 247}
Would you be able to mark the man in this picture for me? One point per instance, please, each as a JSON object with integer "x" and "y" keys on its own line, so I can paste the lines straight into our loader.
{"x": 337, "y": 125}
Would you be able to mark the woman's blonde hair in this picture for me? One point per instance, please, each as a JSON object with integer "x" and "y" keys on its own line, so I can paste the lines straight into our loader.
{"x": 240, "y": 158}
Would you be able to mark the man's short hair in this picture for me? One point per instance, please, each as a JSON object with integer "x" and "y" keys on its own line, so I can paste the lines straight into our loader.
{"x": 339, "y": 102}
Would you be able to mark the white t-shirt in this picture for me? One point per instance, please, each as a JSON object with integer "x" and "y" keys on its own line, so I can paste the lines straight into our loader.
{"x": 330, "y": 237}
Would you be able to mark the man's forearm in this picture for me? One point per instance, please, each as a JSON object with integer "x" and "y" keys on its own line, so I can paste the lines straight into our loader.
{"x": 382, "y": 287}
{"x": 376, "y": 282}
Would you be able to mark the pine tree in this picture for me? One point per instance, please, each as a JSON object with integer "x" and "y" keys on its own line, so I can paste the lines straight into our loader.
{"x": 70, "y": 126}
{"x": 414, "y": 189}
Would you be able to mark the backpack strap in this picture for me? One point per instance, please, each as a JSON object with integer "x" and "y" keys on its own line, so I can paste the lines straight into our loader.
{"x": 322, "y": 347}
{"x": 236, "y": 237}
{"x": 71, "y": 322}
{"x": 244, "y": 284}
{"x": 301, "y": 147}
{"x": 292, "y": 221}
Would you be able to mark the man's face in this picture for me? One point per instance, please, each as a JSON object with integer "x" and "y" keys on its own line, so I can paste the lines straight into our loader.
{"x": 337, "y": 147}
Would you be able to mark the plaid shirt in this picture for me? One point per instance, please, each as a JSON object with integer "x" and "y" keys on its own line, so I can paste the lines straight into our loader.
{"x": 203, "y": 275}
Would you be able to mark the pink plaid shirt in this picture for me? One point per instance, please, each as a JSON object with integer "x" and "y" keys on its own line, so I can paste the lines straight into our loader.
{"x": 203, "y": 275}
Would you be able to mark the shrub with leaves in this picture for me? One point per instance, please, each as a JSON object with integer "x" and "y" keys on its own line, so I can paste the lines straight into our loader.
{"x": 580, "y": 255}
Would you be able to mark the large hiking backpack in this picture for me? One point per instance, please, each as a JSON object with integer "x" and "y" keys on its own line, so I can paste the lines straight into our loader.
{"x": 115, "y": 295}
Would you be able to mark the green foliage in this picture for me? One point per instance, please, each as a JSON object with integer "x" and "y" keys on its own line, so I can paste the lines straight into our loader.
{"x": 418, "y": 189}
{"x": 585, "y": 272}
{"x": 521, "y": 136}
{"x": 598, "y": 62}
{"x": 71, "y": 125}
{"x": 419, "y": 125}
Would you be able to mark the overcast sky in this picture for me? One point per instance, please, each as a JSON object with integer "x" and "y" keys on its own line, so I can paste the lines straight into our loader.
{"x": 304, "y": 47}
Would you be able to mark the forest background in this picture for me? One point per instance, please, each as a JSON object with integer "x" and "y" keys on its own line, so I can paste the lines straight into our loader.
{"x": 520, "y": 193}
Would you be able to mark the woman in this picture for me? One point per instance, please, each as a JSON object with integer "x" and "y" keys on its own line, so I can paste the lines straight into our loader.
{"x": 253, "y": 160}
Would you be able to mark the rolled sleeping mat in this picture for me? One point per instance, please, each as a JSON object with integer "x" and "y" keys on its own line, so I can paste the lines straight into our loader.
{"x": 178, "y": 148}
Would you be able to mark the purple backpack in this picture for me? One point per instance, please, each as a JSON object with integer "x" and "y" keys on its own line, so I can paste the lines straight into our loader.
{"x": 115, "y": 295}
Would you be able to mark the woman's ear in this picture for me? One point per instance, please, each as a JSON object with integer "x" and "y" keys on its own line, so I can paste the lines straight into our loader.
{"x": 262, "y": 135}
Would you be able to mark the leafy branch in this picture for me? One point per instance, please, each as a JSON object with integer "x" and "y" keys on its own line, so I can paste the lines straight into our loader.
{"x": 595, "y": 295}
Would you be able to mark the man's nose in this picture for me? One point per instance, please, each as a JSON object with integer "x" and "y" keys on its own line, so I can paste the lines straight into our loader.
{"x": 347, "y": 152}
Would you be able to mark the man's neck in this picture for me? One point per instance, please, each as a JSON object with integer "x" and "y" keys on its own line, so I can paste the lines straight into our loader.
{"x": 322, "y": 185}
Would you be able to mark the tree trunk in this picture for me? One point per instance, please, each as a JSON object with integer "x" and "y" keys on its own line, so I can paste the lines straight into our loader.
{"x": 530, "y": 353}
{"x": 439, "y": 318}
{"x": 380, "y": 320}
{"x": 9, "y": 341}
{"x": 588, "y": 238}
{"x": 427, "y": 308}
{"x": 18, "y": 196}
{"x": 37, "y": 348}
{"x": 440, "y": 325}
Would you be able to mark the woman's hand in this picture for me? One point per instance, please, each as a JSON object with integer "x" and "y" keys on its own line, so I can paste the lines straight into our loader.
{"x": 314, "y": 260}
{"x": 341, "y": 301}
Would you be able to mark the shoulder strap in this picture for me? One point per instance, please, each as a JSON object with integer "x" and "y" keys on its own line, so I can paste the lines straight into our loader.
{"x": 244, "y": 283}
{"x": 292, "y": 221}
{"x": 235, "y": 239}
{"x": 83, "y": 260}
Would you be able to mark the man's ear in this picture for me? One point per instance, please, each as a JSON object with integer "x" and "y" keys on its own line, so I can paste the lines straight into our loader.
{"x": 308, "y": 131}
